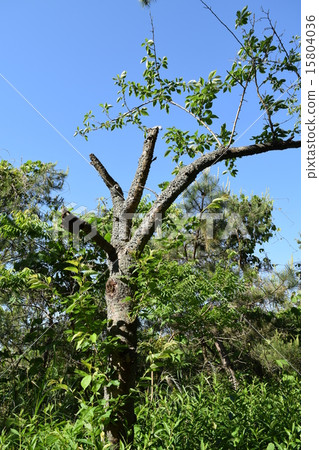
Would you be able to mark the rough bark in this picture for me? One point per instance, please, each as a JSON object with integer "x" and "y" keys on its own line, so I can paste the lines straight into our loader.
{"x": 116, "y": 195}
{"x": 121, "y": 324}
{"x": 144, "y": 164}
{"x": 119, "y": 293}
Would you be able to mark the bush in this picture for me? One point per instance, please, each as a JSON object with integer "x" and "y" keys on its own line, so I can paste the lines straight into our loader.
{"x": 210, "y": 415}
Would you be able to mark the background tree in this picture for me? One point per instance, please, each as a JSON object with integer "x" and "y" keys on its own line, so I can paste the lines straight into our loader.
{"x": 226, "y": 221}
{"x": 33, "y": 285}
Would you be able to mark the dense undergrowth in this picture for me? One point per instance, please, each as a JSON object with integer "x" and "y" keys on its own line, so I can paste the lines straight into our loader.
{"x": 207, "y": 414}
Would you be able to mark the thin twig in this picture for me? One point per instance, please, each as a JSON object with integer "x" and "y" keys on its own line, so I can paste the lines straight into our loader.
{"x": 122, "y": 116}
{"x": 235, "y": 78}
{"x": 264, "y": 105}
{"x": 199, "y": 120}
{"x": 238, "y": 112}
{"x": 148, "y": 189}
{"x": 267, "y": 341}
{"x": 261, "y": 115}
{"x": 28, "y": 348}
{"x": 219, "y": 20}
{"x": 273, "y": 27}
{"x": 154, "y": 47}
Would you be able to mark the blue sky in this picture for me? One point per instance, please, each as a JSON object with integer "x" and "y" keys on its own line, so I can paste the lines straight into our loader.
{"x": 62, "y": 56}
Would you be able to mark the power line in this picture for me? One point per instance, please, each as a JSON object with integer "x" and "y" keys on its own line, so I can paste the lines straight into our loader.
{"x": 44, "y": 118}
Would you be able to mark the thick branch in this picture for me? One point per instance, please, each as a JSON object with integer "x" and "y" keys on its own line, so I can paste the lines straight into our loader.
{"x": 116, "y": 193}
{"x": 144, "y": 164}
{"x": 114, "y": 187}
{"x": 227, "y": 366}
{"x": 73, "y": 224}
{"x": 186, "y": 176}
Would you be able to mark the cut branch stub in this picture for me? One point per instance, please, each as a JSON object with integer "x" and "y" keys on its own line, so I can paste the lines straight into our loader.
{"x": 114, "y": 187}
{"x": 74, "y": 224}
{"x": 116, "y": 194}
{"x": 144, "y": 164}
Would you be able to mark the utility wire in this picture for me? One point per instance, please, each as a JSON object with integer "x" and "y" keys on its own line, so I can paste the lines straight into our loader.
{"x": 44, "y": 118}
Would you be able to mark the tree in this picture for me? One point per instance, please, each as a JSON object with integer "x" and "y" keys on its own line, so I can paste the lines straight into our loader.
{"x": 261, "y": 64}
{"x": 34, "y": 285}
{"x": 226, "y": 222}
{"x": 29, "y": 195}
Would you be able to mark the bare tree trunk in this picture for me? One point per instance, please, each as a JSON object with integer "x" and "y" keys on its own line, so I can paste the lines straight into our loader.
{"x": 224, "y": 358}
{"x": 123, "y": 358}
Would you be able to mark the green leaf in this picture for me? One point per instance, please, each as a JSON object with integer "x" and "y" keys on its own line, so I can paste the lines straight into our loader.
{"x": 93, "y": 337}
{"x": 86, "y": 381}
{"x": 38, "y": 285}
{"x": 73, "y": 261}
{"x": 270, "y": 446}
{"x": 77, "y": 278}
{"x": 212, "y": 74}
{"x": 79, "y": 333}
{"x": 156, "y": 366}
{"x": 163, "y": 185}
{"x": 242, "y": 17}
{"x": 108, "y": 237}
{"x": 14, "y": 431}
{"x": 61, "y": 386}
{"x": 87, "y": 365}
{"x": 113, "y": 383}
{"x": 72, "y": 269}
{"x": 281, "y": 362}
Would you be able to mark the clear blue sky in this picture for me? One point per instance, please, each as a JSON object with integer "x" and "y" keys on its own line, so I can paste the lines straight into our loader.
{"x": 62, "y": 56}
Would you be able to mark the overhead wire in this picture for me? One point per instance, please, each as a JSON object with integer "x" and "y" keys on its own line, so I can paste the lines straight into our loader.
{"x": 44, "y": 118}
